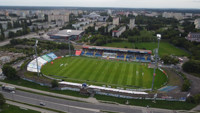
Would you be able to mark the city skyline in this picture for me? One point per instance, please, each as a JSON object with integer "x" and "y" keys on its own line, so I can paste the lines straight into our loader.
{"x": 107, "y": 3}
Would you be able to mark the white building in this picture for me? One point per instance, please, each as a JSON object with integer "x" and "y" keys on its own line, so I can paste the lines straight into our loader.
{"x": 193, "y": 37}
{"x": 99, "y": 25}
{"x": 6, "y": 33}
{"x": 132, "y": 23}
{"x": 110, "y": 27}
{"x": 188, "y": 15}
{"x": 178, "y": 16}
{"x": 4, "y": 24}
{"x": 64, "y": 18}
{"x": 116, "y": 21}
{"x": 109, "y": 12}
{"x": 197, "y": 23}
{"x": 1, "y": 72}
{"x": 41, "y": 16}
{"x": 117, "y": 33}
{"x": 78, "y": 25}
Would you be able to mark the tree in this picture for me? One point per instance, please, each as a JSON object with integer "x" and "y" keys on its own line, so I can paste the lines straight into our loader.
{"x": 192, "y": 66}
{"x": 186, "y": 86}
{"x": 110, "y": 19}
{"x": 10, "y": 72}
{"x": 11, "y": 34}
{"x": 9, "y": 25}
{"x": 2, "y": 100}
{"x": 46, "y": 18}
{"x": 167, "y": 59}
{"x": 54, "y": 83}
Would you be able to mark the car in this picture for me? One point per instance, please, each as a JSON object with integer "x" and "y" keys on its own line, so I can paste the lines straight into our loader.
{"x": 42, "y": 104}
{"x": 12, "y": 92}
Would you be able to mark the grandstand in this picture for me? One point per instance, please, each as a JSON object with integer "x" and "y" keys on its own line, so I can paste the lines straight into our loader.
{"x": 32, "y": 66}
{"x": 117, "y": 53}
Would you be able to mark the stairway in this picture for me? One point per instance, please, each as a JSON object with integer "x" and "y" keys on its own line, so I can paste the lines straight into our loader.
{"x": 125, "y": 57}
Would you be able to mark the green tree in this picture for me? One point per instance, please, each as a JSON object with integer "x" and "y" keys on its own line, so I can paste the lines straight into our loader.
{"x": 11, "y": 34}
{"x": 2, "y": 100}
{"x": 192, "y": 66}
{"x": 9, "y": 72}
{"x": 54, "y": 83}
{"x": 110, "y": 19}
{"x": 9, "y": 25}
{"x": 167, "y": 59}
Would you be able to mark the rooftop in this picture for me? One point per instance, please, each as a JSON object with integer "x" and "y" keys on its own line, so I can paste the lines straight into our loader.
{"x": 118, "y": 49}
{"x": 64, "y": 32}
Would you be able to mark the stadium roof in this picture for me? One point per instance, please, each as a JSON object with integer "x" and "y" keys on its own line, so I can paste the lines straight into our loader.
{"x": 64, "y": 33}
{"x": 118, "y": 49}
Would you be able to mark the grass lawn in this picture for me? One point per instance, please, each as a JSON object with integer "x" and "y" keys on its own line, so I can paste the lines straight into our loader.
{"x": 159, "y": 104}
{"x": 14, "y": 109}
{"x": 165, "y": 47}
{"x": 25, "y": 83}
{"x": 119, "y": 73}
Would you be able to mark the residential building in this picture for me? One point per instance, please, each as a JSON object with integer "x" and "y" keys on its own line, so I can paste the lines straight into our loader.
{"x": 117, "y": 33}
{"x": 63, "y": 34}
{"x": 109, "y": 12}
{"x": 197, "y": 23}
{"x": 6, "y": 33}
{"x": 178, "y": 16}
{"x": 100, "y": 24}
{"x": 64, "y": 18}
{"x": 116, "y": 21}
{"x": 110, "y": 27}
{"x": 132, "y": 23}
{"x": 4, "y": 24}
{"x": 193, "y": 37}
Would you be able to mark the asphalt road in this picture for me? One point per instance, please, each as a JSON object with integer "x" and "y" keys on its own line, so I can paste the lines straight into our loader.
{"x": 24, "y": 106}
{"x": 75, "y": 106}
{"x": 31, "y": 35}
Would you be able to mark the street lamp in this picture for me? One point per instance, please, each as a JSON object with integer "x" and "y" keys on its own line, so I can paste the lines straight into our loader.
{"x": 68, "y": 32}
{"x": 36, "y": 42}
{"x": 156, "y": 62}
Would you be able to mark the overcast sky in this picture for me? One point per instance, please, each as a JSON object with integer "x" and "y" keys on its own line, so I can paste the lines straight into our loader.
{"x": 106, "y": 3}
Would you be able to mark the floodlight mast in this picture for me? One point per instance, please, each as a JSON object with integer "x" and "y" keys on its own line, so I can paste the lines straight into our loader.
{"x": 36, "y": 42}
{"x": 156, "y": 60}
{"x": 68, "y": 32}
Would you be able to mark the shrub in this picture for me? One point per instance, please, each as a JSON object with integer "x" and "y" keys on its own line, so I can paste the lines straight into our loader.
{"x": 54, "y": 83}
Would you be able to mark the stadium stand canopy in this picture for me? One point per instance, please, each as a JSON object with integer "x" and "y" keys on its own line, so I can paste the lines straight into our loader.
{"x": 32, "y": 66}
{"x": 104, "y": 88}
{"x": 117, "y": 53}
{"x": 63, "y": 34}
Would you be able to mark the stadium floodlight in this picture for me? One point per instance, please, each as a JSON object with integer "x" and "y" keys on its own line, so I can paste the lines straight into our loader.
{"x": 69, "y": 32}
{"x": 156, "y": 60}
{"x": 36, "y": 42}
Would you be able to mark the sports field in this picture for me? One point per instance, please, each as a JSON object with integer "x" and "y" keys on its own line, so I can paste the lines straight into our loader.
{"x": 101, "y": 71}
{"x": 164, "y": 49}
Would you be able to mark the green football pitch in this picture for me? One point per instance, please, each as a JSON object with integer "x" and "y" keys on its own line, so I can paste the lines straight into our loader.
{"x": 102, "y": 71}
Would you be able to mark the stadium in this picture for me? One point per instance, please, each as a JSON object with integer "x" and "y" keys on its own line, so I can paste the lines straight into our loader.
{"x": 102, "y": 66}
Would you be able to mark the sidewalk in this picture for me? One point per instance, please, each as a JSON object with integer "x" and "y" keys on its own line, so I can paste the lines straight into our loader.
{"x": 29, "y": 107}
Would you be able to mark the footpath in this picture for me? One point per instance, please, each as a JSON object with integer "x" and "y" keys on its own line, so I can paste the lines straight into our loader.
{"x": 90, "y": 100}
{"x": 23, "y": 106}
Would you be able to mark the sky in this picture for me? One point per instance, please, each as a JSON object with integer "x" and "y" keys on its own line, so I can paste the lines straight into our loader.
{"x": 106, "y": 3}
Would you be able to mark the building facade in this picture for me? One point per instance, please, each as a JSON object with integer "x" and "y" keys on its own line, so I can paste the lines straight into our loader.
{"x": 197, "y": 23}
{"x": 116, "y": 21}
{"x": 193, "y": 37}
{"x": 132, "y": 23}
{"x": 117, "y": 33}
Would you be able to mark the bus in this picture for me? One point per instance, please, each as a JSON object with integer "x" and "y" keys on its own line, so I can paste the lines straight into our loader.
{"x": 8, "y": 88}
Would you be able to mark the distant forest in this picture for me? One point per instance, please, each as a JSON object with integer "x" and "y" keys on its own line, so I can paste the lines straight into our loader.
{"x": 100, "y": 8}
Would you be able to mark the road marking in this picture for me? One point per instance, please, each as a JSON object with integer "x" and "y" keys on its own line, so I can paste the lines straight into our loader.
{"x": 81, "y": 108}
